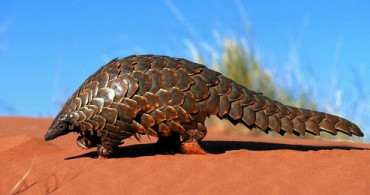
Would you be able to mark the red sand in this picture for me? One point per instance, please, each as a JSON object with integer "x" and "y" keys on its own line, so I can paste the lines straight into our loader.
{"x": 238, "y": 165}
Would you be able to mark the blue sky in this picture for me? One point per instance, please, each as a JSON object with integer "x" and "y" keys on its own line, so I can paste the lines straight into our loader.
{"x": 48, "y": 48}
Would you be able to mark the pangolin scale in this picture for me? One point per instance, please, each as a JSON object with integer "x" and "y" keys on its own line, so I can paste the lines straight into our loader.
{"x": 171, "y": 98}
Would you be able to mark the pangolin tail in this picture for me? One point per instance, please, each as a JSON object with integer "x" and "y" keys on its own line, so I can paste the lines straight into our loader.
{"x": 241, "y": 105}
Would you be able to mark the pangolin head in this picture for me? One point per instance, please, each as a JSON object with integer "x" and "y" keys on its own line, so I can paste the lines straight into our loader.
{"x": 60, "y": 126}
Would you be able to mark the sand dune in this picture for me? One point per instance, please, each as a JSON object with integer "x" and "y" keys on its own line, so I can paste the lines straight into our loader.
{"x": 26, "y": 146}
{"x": 235, "y": 165}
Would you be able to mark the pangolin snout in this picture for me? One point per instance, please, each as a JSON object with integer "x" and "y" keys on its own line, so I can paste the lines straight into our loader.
{"x": 49, "y": 135}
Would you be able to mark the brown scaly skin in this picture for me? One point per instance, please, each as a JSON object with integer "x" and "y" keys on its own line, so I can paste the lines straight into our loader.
{"x": 171, "y": 98}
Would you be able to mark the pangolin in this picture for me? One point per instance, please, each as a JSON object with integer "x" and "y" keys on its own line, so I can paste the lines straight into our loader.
{"x": 171, "y": 98}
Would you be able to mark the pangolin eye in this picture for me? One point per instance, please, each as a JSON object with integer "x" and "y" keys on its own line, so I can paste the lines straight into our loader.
{"x": 62, "y": 127}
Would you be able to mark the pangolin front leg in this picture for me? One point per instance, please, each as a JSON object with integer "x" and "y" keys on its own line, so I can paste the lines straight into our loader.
{"x": 107, "y": 147}
{"x": 86, "y": 142}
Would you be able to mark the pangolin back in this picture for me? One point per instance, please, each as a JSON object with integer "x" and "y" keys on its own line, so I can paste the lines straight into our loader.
{"x": 160, "y": 96}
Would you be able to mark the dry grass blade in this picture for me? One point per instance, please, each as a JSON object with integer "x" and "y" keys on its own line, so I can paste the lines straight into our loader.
{"x": 16, "y": 187}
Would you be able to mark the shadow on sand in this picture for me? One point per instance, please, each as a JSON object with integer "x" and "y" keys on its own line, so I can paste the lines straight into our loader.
{"x": 213, "y": 147}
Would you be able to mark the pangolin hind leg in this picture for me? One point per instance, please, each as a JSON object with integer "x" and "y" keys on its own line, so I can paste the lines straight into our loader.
{"x": 168, "y": 144}
{"x": 191, "y": 147}
{"x": 190, "y": 144}
{"x": 185, "y": 141}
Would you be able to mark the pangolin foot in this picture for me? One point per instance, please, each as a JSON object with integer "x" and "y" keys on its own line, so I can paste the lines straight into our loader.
{"x": 104, "y": 151}
{"x": 192, "y": 147}
{"x": 86, "y": 142}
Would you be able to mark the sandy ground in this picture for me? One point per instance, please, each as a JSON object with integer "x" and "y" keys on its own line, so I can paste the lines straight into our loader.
{"x": 237, "y": 165}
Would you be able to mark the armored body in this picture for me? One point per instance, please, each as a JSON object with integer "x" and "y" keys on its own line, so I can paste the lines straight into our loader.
{"x": 171, "y": 98}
